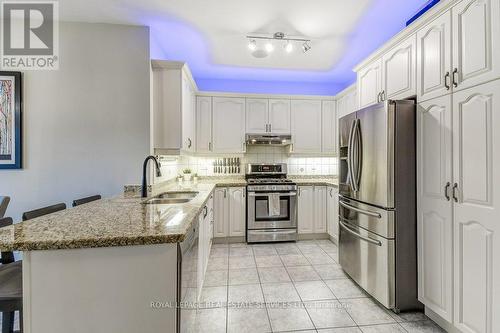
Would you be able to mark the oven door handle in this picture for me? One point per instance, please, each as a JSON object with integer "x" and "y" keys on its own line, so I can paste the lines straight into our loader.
{"x": 354, "y": 233}
{"x": 285, "y": 194}
{"x": 361, "y": 211}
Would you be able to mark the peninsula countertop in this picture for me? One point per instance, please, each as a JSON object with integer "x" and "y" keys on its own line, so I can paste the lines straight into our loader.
{"x": 121, "y": 221}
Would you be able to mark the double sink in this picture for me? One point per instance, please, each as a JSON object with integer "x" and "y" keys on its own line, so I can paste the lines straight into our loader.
{"x": 174, "y": 197}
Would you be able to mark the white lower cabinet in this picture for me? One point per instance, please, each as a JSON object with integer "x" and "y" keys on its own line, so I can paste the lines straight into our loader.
{"x": 476, "y": 208}
{"x": 237, "y": 210}
{"x": 332, "y": 212}
{"x": 229, "y": 211}
{"x": 459, "y": 206}
{"x": 434, "y": 219}
{"x": 311, "y": 209}
{"x": 204, "y": 240}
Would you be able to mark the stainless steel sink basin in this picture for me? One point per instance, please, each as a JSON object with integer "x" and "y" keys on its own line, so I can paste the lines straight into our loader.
{"x": 177, "y": 195}
{"x": 165, "y": 201}
{"x": 171, "y": 198}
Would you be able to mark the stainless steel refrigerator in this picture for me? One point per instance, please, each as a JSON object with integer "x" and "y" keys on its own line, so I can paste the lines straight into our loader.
{"x": 377, "y": 202}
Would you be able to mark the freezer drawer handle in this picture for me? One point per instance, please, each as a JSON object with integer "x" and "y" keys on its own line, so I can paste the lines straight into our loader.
{"x": 354, "y": 233}
{"x": 365, "y": 212}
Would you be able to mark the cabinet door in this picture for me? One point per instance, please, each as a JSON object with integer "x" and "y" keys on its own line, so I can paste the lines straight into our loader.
{"x": 257, "y": 115}
{"x": 319, "y": 209}
{"x": 188, "y": 117}
{"x": 306, "y": 126}
{"x": 329, "y": 127}
{"x": 228, "y": 119}
{"x": 434, "y": 58}
{"x": 476, "y": 171}
{"x": 399, "y": 71}
{"x": 203, "y": 124}
{"x": 279, "y": 116}
{"x": 332, "y": 212}
{"x": 476, "y": 50}
{"x": 305, "y": 210}
{"x": 221, "y": 213}
{"x": 434, "y": 220}
{"x": 237, "y": 210}
{"x": 369, "y": 84}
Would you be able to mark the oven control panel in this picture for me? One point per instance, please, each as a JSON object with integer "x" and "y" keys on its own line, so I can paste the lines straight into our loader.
{"x": 271, "y": 188}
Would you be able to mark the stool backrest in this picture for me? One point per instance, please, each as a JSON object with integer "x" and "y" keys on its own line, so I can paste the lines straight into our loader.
{"x": 82, "y": 201}
{"x": 4, "y": 202}
{"x": 7, "y": 256}
{"x": 43, "y": 211}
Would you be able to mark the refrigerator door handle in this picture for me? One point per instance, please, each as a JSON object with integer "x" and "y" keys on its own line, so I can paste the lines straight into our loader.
{"x": 354, "y": 233}
{"x": 350, "y": 166}
{"x": 359, "y": 153}
{"x": 361, "y": 211}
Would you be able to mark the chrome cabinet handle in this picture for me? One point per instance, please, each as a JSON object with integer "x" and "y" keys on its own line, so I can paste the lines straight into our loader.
{"x": 378, "y": 97}
{"x": 446, "y": 191}
{"x": 270, "y": 128}
{"x": 455, "y": 197}
{"x": 382, "y": 96}
{"x": 267, "y": 128}
{"x": 455, "y": 77}
{"x": 331, "y": 196}
{"x": 189, "y": 143}
{"x": 224, "y": 193}
{"x": 210, "y": 146}
{"x": 446, "y": 78}
{"x": 205, "y": 209}
{"x": 361, "y": 211}
{"x": 354, "y": 233}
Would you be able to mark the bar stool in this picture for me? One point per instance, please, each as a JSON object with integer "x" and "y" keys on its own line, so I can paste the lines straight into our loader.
{"x": 4, "y": 202}
{"x": 43, "y": 211}
{"x": 11, "y": 287}
{"x": 82, "y": 201}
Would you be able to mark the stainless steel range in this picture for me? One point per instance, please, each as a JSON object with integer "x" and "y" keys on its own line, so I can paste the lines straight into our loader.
{"x": 271, "y": 204}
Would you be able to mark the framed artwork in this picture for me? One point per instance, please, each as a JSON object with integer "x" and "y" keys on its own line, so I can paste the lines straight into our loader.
{"x": 10, "y": 120}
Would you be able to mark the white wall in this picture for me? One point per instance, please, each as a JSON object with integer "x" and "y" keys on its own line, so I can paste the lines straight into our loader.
{"x": 86, "y": 126}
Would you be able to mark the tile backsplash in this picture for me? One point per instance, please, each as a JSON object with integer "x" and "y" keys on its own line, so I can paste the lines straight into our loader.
{"x": 203, "y": 166}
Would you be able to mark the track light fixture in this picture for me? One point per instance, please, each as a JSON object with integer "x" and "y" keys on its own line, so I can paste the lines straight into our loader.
{"x": 264, "y": 49}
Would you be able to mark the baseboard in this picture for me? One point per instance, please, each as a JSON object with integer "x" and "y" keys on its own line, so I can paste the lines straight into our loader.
{"x": 445, "y": 325}
{"x": 233, "y": 239}
{"x": 313, "y": 236}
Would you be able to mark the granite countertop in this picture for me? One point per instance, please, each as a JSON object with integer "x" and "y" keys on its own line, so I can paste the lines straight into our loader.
{"x": 122, "y": 220}
{"x": 119, "y": 221}
{"x": 322, "y": 180}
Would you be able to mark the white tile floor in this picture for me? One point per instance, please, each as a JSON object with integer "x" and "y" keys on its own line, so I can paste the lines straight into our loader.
{"x": 289, "y": 287}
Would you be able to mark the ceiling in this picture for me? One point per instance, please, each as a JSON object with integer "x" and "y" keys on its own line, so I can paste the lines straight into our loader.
{"x": 210, "y": 34}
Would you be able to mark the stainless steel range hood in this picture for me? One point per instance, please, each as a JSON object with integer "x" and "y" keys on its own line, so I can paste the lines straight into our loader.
{"x": 268, "y": 140}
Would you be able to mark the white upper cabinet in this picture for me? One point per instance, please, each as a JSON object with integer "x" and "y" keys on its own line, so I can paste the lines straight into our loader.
{"x": 370, "y": 84}
{"x": 434, "y": 218}
{"x": 434, "y": 58}
{"x": 267, "y": 116}
{"x": 476, "y": 47}
{"x": 279, "y": 116}
{"x": 306, "y": 126}
{"x": 347, "y": 103}
{"x": 329, "y": 127}
{"x": 188, "y": 116}
{"x": 399, "y": 71}
{"x": 257, "y": 115}
{"x": 228, "y": 119}
{"x": 203, "y": 124}
{"x": 476, "y": 161}
{"x": 237, "y": 211}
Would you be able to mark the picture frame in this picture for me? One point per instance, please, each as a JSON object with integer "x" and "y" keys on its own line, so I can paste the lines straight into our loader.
{"x": 11, "y": 137}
